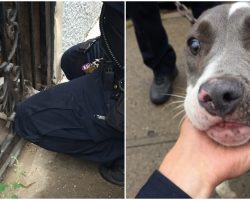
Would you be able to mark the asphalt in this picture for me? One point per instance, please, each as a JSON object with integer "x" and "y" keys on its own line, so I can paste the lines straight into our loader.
{"x": 152, "y": 130}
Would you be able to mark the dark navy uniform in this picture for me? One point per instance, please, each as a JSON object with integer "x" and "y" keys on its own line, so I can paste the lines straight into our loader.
{"x": 159, "y": 186}
{"x": 72, "y": 117}
{"x": 65, "y": 119}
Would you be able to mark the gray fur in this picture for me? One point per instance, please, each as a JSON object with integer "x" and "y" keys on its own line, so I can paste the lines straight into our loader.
{"x": 230, "y": 36}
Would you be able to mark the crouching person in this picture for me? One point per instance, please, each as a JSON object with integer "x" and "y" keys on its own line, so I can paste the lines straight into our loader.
{"x": 85, "y": 116}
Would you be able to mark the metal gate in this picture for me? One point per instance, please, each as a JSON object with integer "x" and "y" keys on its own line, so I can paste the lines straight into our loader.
{"x": 26, "y": 58}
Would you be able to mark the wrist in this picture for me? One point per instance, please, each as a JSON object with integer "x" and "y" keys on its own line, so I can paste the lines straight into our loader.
{"x": 188, "y": 178}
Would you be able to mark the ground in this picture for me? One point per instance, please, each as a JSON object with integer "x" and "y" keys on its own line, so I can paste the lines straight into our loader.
{"x": 54, "y": 175}
{"x": 152, "y": 130}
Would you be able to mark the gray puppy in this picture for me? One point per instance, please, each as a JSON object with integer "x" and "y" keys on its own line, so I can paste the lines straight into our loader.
{"x": 218, "y": 69}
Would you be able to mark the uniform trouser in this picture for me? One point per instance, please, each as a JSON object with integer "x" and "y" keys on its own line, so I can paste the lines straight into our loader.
{"x": 156, "y": 51}
{"x": 65, "y": 119}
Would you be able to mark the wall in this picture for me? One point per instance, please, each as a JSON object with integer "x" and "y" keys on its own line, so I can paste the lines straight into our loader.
{"x": 75, "y": 22}
{"x": 78, "y": 18}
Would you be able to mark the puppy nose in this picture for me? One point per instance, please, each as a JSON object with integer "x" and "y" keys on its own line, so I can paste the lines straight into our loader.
{"x": 220, "y": 96}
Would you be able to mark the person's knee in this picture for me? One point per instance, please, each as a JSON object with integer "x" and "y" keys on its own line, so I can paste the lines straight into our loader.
{"x": 71, "y": 62}
{"x": 23, "y": 123}
{"x": 66, "y": 62}
{"x": 21, "y": 115}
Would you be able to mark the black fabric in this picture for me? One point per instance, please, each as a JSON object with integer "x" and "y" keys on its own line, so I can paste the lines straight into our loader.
{"x": 112, "y": 30}
{"x": 64, "y": 119}
{"x": 118, "y": 6}
{"x": 115, "y": 117}
{"x": 75, "y": 57}
{"x": 157, "y": 53}
{"x": 199, "y": 8}
{"x": 159, "y": 186}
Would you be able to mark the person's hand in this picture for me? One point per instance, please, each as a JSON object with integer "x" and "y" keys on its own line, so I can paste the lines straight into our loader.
{"x": 197, "y": 164}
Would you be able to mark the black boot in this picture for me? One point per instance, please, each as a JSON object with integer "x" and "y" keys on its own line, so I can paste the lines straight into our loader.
{"x": 161, "y": 88}
{"x": 113, "y": 173}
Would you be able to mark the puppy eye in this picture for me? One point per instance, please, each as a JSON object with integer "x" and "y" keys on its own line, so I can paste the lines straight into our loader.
{"x": 194, "y": 45}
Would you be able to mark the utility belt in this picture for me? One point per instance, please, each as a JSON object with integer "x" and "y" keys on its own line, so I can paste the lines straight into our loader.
{"x": 113, "y": 63}
{"x": 113, "y": 78}
{"x": 113, "y": 81}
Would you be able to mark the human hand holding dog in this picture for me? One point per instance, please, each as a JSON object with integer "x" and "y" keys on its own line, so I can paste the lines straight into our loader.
{"x": 197, "y": 164}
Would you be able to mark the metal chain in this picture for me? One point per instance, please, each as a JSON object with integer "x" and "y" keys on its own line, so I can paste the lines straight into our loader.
{"x": 101, "y": 23}
{"x": 185, "y": 12}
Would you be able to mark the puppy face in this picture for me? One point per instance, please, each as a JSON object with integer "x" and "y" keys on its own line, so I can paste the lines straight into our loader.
{"x": 218, "y": 70}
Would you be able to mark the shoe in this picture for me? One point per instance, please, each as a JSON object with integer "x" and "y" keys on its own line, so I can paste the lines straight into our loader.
{"x": 161, "y": 88}
{"x": 113, "y": 173}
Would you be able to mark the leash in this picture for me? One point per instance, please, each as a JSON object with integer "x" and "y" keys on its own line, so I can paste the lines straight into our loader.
{"x": 185, "y": 12}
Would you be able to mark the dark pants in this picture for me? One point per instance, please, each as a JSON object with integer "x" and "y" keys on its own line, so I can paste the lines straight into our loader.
{"x": 64, "y": 119}
{"x": 156, "y": 51}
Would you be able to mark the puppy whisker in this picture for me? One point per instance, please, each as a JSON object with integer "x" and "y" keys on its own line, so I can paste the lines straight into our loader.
{"x": 182, "y": 119}
{"x": 179, "y": 113}
{"x": 178, "y": 107}
{"x": 173, "y": 95}
{"x": 181, "y": 88}
{"x": 174, "y": 102}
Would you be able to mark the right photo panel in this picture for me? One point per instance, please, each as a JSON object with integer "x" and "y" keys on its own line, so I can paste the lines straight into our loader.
{"x": 187, "y": 99}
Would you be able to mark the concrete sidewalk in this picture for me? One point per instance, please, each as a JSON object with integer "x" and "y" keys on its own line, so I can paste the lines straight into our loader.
{"x": 151, "y": 131}
{"x": 54, "y": 175}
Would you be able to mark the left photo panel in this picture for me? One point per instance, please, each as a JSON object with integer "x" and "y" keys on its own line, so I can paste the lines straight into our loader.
{"x": 62, "y": 99}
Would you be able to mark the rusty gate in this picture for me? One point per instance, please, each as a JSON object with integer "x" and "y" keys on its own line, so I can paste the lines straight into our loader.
{"x": 26, "y": 58}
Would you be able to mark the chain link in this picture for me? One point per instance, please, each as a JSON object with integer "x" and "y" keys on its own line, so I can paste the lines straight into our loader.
{"x": 185, "y": 12}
